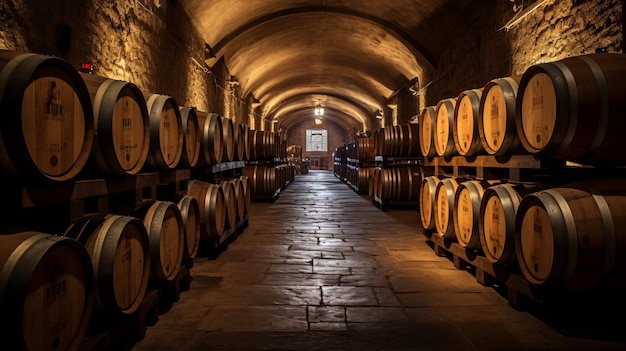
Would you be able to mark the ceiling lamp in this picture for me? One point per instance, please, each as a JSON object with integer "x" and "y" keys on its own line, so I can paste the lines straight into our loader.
{"x": 318, "y": 121}
{"x": 319, "y": 110}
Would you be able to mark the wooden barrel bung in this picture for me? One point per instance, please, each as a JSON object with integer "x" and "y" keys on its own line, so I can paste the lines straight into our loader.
{"x": 426, "y": 129}
{"x": 211, "y": 202}
{"x": 572, "y": 109}
{"x": 119, "y": 249}
{"x": 496, "y": 227}
{"x": 122, "y": 124}
{"x": 46, "y": 291}
{"x": 46, "y": 129}
{"x": 191, "y": 137}
{"x": 496, "y": 121}
{"x": 465, "y": 128}
{"x": 444, "y": 207}
{"x": 467, "y": 200}
{"x": 574, "y": 236}
{"x": 164, "y": 225}
{"x": 190, "y": 214}
{"x": 166, "y": 131}
{"x": 211, "y": 138}
{"x": 427, "y": 202}
{"x": 443, "y": 128}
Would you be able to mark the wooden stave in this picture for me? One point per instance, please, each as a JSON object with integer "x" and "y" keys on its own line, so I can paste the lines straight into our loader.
{"x": 156, "y": 158}
{"x": 101, "y": 239}
{"x": 17, "y": 71}
{"x": 190, "y": 215}
{"x": 576, "y": 238}
{"x": 105, "y": 93}
{"x": 427, "y": 118}
{"x": 445, "y": 229}
{"x": 154, "y": 219}
{"x": 427, "y": 202}
{"x": 475, "y": 146}
{"x": 231, "y": 203}
{"x": 212, "y": 139}
{"x": 579, "y": 114}
{"x": 210, "y": 199}
{"x": 509, "y": 197}
{"x": 476, "y": 189}
{"x": 228, "y": 132}
{"x": 191, "y": 137}
{"x": 23, "y": 251}
{"x": 446, "y": 149}
{"x": 510, "y": 141}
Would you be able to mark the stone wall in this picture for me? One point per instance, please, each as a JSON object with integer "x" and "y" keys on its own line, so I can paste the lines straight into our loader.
{"x": 297, "y": 136}
{"x": 150, "y": 43}
{"x": 488, "y": 50}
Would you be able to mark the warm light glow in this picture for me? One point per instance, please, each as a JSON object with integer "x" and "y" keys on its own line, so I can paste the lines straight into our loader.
{"x": 318, "y": 121}
{"x": 319, "y": 111}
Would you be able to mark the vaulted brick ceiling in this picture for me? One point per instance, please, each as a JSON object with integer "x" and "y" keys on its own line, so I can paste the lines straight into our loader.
{"x": 350, "y": 55}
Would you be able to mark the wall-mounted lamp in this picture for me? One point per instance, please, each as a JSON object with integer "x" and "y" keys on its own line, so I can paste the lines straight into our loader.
{"x": 380, "y": 115}
{"x": 523, "y": 12}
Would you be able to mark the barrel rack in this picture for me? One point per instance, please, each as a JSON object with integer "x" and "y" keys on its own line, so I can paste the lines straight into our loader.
{"x": 520, "y": 293}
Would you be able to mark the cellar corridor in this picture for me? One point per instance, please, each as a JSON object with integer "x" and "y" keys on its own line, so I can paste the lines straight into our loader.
{"x": 321, "y": 268}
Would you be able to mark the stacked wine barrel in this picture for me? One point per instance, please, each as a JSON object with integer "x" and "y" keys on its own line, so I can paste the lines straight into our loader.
{"x": 111, "y": 163}
{"x": 564, "y": 233}
{"x": 354, "y": 163}
{"x": 267, "y": 169}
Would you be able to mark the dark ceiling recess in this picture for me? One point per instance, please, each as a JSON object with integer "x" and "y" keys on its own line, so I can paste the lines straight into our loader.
{"x": 350, "y": 56}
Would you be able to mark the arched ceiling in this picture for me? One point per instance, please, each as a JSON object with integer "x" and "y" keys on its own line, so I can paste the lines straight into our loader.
{"x": 348, "y": 55}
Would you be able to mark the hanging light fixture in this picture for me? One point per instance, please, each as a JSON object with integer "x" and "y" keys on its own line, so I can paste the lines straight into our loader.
{"x": 319, "y": 110}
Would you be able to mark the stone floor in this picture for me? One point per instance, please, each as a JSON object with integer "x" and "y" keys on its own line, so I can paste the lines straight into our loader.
{"x": 321, "y": 268}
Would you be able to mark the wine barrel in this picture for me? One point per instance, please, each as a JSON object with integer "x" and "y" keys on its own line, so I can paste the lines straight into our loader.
{"x": 443, "y": 128}
{"x": 228, "y": 152}
{"x": 190, "y": 214}
{"x": 426, "y": 128}
{"x": 240, "y": 197}
{"x": 365, "y": 149}
{"x": 496, "y": 116}
{"x": 407, "y": 140}
{"x": 379, "y": 136}
{"x": 465, "y": 127}
{"x": 122, "y": 125}
{"x": 46, "y": 118}
{"x": 258, "y": 145}
{"x": 230, "y": 202}
{"x": 211, "y": 138}
{"x": 444, "y": 207}
{"x": 574, "y": 236}
{"x": 374, "y": 183}
{"x": 119, "y": 249}
{"x": 496, "y": 227}
{"x": 262, "y": 179}
{"x": 46, "y": 282}
{"x": 572, "y": 109}
{"x": 247, "y": 192}
{"x": 466, "y": 214}
{"x": 164, "y": 224}
{"x": 245, "y": 135}
{"x": 191, "y": 137}
{"x": 211, "y": 202}
{"x": 427, "y": 202}
{"x": 166, "y": 131}
{"x": 238, "y": 141}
